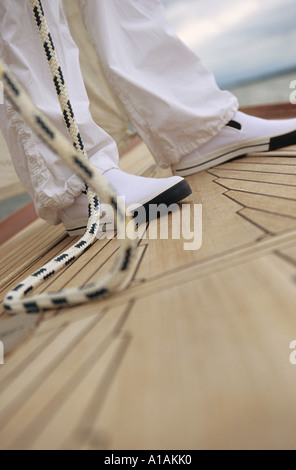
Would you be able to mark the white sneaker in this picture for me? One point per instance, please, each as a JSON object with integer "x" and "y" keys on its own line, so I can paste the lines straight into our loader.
{"x": 138, "y": 192}
{"x": 244, "y": 134}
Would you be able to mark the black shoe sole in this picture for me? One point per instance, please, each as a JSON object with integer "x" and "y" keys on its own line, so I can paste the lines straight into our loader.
{"x": 282, "y": 141}
{"x": 163, "y": 201}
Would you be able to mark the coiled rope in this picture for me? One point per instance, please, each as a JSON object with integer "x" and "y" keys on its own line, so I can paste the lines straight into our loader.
{"x": 75, "y": 156}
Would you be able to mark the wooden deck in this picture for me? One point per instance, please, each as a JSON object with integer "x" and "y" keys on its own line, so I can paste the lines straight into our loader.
{"x": 194, "y": 354}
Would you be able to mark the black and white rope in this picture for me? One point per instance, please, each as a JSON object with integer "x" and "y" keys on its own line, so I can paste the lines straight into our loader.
{"x": 17, "y": 301}
{"x": 64, "y": 99}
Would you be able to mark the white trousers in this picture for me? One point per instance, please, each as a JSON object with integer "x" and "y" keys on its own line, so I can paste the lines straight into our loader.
{"x": 171, "y": 98}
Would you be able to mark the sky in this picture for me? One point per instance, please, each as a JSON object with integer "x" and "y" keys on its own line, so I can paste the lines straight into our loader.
{"x": 239, "y": 41}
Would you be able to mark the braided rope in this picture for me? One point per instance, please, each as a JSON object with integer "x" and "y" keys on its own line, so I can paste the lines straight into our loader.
{"x": 65, "y": 104}
{"x": 16, "y": 300}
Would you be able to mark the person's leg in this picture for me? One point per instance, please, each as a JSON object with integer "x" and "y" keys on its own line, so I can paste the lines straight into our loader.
{"x": 172, "y": 99}
{"x": 57, "y": 193}
{"x": 49, "y": 182}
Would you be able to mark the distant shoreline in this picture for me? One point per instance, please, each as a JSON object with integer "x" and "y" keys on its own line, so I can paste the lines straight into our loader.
{"x": 271, "y": 89}
{"x": 260, "y": 78}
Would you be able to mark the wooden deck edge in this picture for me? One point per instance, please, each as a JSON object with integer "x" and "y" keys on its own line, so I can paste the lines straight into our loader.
{"x": 17, "y": 222}
{"x": 272, "y": 111}
{"x": 11, "y": 190}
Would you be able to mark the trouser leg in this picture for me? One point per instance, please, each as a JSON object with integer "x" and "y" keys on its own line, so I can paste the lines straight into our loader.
{"x": 51, "y": 184}
{"x": 172, "y": 99}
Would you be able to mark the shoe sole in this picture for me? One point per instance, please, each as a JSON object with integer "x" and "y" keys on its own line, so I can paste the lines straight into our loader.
{"x": 163, "y": 201}
{"x": 258, "y": 146}
{"x": 170, "y": 196}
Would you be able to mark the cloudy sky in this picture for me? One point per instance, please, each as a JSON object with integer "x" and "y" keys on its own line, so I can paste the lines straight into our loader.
{"x": 238, "y": 40}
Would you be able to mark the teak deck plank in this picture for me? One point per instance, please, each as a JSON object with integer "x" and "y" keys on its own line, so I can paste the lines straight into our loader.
{"x": 193, "y": 354}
